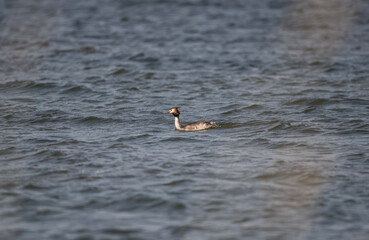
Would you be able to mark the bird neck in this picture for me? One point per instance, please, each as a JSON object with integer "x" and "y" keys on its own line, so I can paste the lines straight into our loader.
{"x": 177, "y": 123}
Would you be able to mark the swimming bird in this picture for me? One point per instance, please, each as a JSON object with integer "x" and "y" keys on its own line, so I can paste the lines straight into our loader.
{"x": 195, "y": 126}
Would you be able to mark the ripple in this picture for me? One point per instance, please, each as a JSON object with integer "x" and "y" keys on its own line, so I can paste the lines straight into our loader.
{"x": 119, "y": 71}
{"x": 32, "y": 186}
{"x": 310, "y": 102}
{"x": 120, "y": 231}
{"x": 141, "y": 57}
{"x": 177, "y": 182}
{"x": 294, "y": 177}
{"x": 82, "y": 50}
{"x": 146, "y": 201}
{"x": 28, "y": 85}
{"x": 134, "y": 137}
{"x": 279, "y": 126}
{"x": 98, "y": 120}
{"x": 78, "y": 89}
{"x": 7, "y": 150}
{"x": 180, "y": 139}
{"x": 229, "y": 125}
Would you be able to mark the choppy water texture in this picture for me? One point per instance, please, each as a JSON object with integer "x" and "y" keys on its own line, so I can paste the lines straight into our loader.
{"x": 87, "y": 153}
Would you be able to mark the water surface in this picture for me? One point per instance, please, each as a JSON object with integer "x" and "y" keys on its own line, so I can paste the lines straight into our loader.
{"x": 87, "y": 153}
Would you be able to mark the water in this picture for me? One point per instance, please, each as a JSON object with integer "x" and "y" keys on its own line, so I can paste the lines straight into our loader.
{"x": 86, "y": 152}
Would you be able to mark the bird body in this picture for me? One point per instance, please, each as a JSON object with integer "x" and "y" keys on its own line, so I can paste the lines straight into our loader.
{"x": 195, "y": 126}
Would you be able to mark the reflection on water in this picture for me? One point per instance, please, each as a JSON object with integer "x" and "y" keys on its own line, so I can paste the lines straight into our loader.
{"x": 317, "y": 28}
{"x": 301, "y": 170}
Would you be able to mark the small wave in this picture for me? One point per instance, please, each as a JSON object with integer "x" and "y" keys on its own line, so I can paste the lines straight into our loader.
{"x": 52, "y": 115}
{"x": 44, "y": 211}
{"x": 177, "y": 182}
{"x": 295, "y": 177}
{"x": 32, "y": 186}
{"x": 279, "y": 125}
{"x": 253, "y": 106}
{"x": 309, "y": 101}
{"x": 311, "y": 130}
{"x": 229, "y": 112}
{"x": 119, "y": 71}
{"x": 180, "y": 139}
{"x": 134, "y": 137}
{"x": 45, "y": 155}
{"x": 153, "y": 170}
{"x": 92, "y": 119}
{"x": 98, "y": 120}
{"x": 140, "y": 57}
{"x": 118, "y": 146}
{"x": 7, "y": 150}
{"x": 317, "y": 63}
{"x": 8, "y": 116}
{"x": 27, "y": 85}
{"x": 22, "y": 99}
{"x": 76, "y": 89}
{"x": 228, "y": 125}
{"x": 230, "y": 106}
{"x": 41, "y": 85}
{"x": 120, "y": 231}
{"x": 83, "y": 50}
{"x": 336, "y": 66}
{"x": 150, "y": 201}
{"x": 54, "y": 172}
{"x": 236, "y": 108}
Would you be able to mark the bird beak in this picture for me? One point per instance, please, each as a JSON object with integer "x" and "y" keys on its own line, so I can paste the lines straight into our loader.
{"x": 166, "y": 112}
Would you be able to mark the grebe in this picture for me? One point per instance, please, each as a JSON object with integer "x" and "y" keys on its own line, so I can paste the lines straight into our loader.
{"x": 195, "y": 126}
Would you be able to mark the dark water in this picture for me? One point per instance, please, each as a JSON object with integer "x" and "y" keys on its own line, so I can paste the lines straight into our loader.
{"x": 86, "y": 152}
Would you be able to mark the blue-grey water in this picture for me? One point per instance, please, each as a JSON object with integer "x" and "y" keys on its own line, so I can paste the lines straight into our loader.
{"x": 87, "y": 153}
